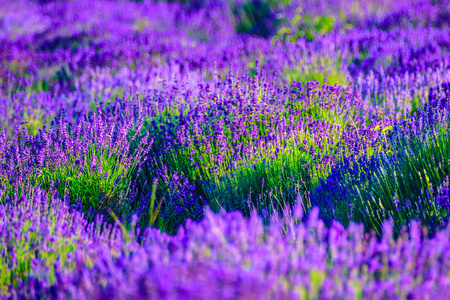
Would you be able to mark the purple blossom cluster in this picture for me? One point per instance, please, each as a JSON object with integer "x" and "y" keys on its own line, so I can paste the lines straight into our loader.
{"x": 179, "y": 199}
{"x": 48, "y": 250}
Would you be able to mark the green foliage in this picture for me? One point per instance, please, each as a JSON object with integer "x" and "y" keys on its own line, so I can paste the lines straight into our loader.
{"x": 268, "y": 182}
{"x": 254, "y": 17}
{"x": 318, "y": 69}
{"x": 303, "y": 25}
{"x": 48, "y": 79}
{"x": 35, "y": 121}
{"x": 103, "y": 185}
{"x": 316, "y": 278}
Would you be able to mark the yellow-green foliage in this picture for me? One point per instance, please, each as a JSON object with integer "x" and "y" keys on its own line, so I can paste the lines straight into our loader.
{"x": 140, "y": 25}
{"x": 100, "y": 189}
{"x": 303, "y": 26}
{"x": 318, "y": 69}
{"x": 35, "y": 121}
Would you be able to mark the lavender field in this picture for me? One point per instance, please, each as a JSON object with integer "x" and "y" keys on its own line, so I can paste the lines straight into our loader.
{"x": 224, "y": 149}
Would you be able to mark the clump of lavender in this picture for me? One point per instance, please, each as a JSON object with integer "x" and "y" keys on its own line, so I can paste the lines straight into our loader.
{"x": 443, "y": 195}
{"x": 400, "y": 181}
{"x": 433, "y": 205}
{"x": 93, "y": 163}
{"x": 39, "y": 235}
{"x": 179, "y": 199}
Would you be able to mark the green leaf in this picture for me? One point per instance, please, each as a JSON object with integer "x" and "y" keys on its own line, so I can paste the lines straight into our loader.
{"x": 386, "y": 129}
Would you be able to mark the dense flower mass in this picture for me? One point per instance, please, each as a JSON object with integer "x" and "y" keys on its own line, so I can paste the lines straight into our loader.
{"x": 49, "y": 249}
{"x": 224, "y": 149}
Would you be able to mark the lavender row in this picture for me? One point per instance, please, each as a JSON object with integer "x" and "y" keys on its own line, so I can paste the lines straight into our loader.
{"x": 48, "y": 250}
{"x": 57, "y": 47}
{"x": 239, "y": 143}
